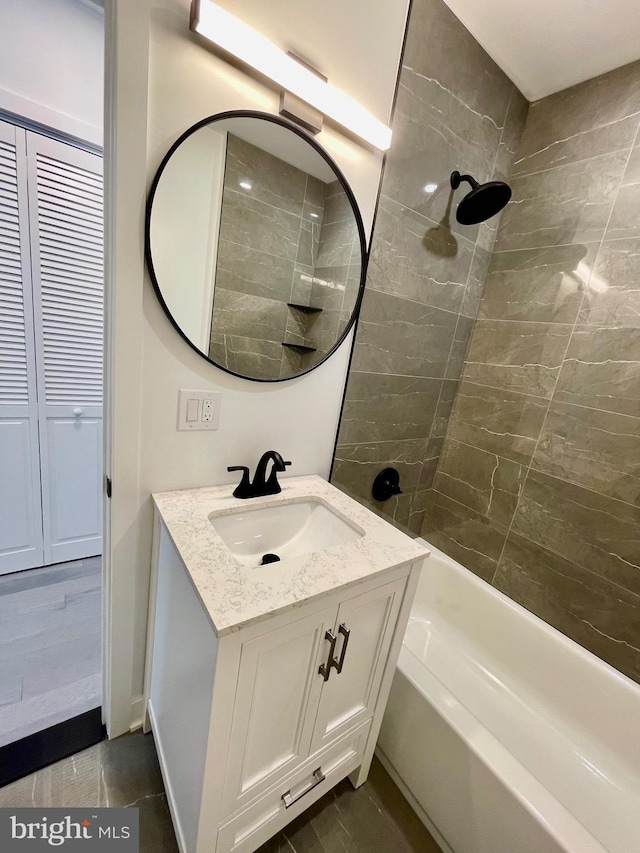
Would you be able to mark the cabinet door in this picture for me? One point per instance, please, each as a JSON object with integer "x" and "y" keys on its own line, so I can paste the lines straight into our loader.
{"x": 349, "y": 697}
{"x": 276, "y": 700}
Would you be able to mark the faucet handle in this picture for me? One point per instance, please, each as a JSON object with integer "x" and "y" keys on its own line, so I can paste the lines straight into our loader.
{"x": 242, "y": 490}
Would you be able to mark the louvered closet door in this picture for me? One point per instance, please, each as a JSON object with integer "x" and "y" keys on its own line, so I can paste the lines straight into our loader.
{"x": 65, "y": 213}
{"x": 21, "y": 545}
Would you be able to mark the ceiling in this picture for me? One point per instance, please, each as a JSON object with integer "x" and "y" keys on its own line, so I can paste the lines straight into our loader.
{"x": 547, "y": 45}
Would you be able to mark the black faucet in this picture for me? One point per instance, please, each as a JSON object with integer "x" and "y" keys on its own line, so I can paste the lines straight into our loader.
{"x": 260, "y": 486}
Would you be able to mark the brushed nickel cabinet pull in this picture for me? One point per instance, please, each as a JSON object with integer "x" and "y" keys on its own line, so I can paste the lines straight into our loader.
{"x": 325, "y": 668}
{"x": 338, "y": 664}
{"x": 318, "y": 776}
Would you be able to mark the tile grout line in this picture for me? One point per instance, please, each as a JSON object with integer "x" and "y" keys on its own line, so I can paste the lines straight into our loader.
{"x": 575, "y": 324}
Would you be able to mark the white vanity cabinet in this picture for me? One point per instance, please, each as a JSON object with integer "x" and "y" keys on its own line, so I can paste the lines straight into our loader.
{"x": 255, "y": 723}
{"x": 285, "y": 710}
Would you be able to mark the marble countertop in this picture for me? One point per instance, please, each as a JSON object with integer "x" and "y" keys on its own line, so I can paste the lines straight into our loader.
{"x": 235, "y": 595}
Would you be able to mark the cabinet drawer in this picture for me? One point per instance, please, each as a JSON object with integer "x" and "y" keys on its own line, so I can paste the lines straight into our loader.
{"x": 252, "y": 827}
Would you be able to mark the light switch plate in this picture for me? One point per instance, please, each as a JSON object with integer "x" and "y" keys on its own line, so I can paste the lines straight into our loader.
{"x": 198, "y": 410}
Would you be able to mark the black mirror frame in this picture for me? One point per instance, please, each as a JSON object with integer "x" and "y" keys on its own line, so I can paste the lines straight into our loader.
{"x": 364, "y": 252}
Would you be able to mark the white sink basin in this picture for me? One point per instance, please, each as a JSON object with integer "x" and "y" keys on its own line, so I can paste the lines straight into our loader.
{"x": 286, "y": 529}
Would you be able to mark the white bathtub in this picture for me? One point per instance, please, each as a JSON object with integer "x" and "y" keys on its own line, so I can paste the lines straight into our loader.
{"x": 505, "y": 736}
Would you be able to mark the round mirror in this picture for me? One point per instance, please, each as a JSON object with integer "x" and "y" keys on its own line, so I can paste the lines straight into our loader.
{"x": 255, "y": 245}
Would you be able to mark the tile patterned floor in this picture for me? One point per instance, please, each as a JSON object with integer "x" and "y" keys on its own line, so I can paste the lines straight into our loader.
{"x": 125, "y": 772}
{"x": 50, "y": 665}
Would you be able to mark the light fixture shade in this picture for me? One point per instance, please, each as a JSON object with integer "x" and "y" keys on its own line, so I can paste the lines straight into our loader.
{"x": 226, "y": 31}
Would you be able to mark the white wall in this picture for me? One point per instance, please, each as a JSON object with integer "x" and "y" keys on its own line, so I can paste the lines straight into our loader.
{"x": 299, "y": 417}
{"x": 51, "y": 64}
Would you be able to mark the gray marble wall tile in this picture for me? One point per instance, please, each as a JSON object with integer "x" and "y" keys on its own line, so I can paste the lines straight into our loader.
{"x": 484, "y": 482}
{"x": 312, "y": 213}
{"x": 302, "y": 286}
{"x": 330, "y": 286}
{"x": 517, "y": 356}
{"x": 379, "y": 407}
{"x": 336, "y": 242}
{"x": 514, "y": 127}
{"x": 338, "y": 207}
{"x": 306, "y": 252}
{"x": 420, "y": 502}
{"x": 602, "y": 139}
{"x": 357, "y": 465}
{"x": 565, "y": 205}
{"x": 352, "y": 290}
{"x": 497, "y": 421}
{"x": 625, "y": 217}
{"x": 563, "y": 119}
{"x": 457, "y": 61}
{"x": 273, "y": 181}
{"x": 553, "y": 369}
{"x": 253, "y": 223}
{"x": 245, "y": 270}
{"x": 459, "y": 347}
{"x": 455, "y": 110}
{"x": 602, "y": 369}
{"x": 402, "y": 337}
{"x": 443, "y": 412}
{"x": 292, "y": 362}
{"x": 248, "y": 316}
{"x": 414, "y": 257}
{"x": 440, "y": 133}
{"x": 599, "y": 450}
{"x": 599, "y": 615}
{"x": 475, "y": 282}
{"x": 613, "y": 294}
{"x": 469, "y": 537}
{"x": 596, "y": 532}
{"x": 322, "y": 330}
{"x": 248, "y": 356}
{"x": 545, "y": 285}
{"x": 316, "y": 192}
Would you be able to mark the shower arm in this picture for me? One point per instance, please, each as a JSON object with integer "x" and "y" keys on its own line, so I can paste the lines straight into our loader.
{"x": 457, "y": 178}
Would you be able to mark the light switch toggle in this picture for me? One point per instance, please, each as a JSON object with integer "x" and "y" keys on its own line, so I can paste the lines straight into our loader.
{"x": 193, "y": 408}
{"x": 198, "y": 410}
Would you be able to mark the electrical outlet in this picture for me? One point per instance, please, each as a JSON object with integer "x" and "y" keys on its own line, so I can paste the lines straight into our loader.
{"x": 198, "y": 410}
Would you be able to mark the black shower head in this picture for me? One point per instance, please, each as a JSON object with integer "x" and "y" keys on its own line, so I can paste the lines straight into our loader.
{"x": 484, "y": 200}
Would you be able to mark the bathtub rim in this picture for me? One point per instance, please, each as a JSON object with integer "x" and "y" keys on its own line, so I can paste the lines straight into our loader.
{"x": 537, "y": 622}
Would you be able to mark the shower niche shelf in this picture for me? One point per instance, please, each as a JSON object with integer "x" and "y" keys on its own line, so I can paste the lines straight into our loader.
{"x": 304, "y": 309}
{"x": 303, "y": 349}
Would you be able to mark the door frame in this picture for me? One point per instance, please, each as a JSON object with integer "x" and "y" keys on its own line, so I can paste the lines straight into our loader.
{"x": 125, "y": 560}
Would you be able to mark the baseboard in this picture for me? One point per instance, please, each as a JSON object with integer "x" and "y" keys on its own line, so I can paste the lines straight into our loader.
{"x": 36, "y": 751}
{"x": 137, "y": 714}
{"x": 415, "y": 805}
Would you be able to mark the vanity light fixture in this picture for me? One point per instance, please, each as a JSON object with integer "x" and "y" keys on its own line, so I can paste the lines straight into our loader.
{"x": 232, "y": 35}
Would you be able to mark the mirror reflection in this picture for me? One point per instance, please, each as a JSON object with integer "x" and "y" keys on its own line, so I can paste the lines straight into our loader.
{"x": 254, "y": 246}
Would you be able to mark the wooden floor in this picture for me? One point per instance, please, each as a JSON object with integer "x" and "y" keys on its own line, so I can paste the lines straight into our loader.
{"x": 124, "y": 772}
{"x": 50, "y": 646}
